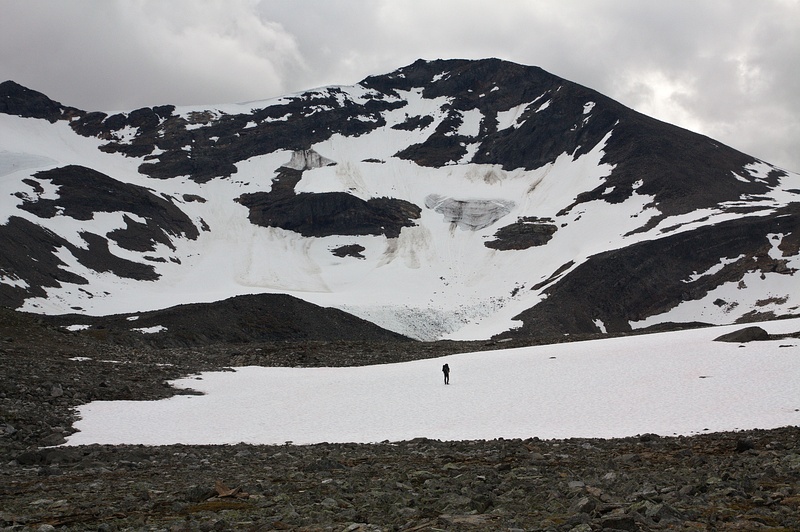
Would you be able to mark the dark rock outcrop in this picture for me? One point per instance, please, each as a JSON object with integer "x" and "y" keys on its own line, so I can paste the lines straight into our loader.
{"x": 30, "y": 250}
{"x": 27, "y": 103}
{"x": 523, "y": 234}
{"x": 325, "y": 214}
{"x": 748, "y": 334}
{"x": 350, "y": 250}
{"x": 217, "y": 143}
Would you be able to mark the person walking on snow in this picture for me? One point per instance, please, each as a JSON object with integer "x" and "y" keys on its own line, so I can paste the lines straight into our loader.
{"x": 446, "y": 371}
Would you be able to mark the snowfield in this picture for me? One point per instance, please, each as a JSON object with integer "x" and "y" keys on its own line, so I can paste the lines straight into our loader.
{"x": 677, "y": 383}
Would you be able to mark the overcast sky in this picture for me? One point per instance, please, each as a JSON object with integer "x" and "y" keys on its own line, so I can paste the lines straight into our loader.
{"x": 729, "y": 69}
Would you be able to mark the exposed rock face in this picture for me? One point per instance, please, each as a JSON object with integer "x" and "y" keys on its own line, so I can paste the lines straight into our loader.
{"x": 495, "y": 86}
{"x": 471, "y": 215}
{"x": 325, "y": 214}
{"x": 351, "y": 250}
{"x": 34, "y": 251}
{"x": 218, "y": 142}
{"x": 522, "y": 234}
{"x": 22, "y": 101}
{"x": 31, "y": 250}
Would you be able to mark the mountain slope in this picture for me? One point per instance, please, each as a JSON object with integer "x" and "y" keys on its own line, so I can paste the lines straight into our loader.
{"x": 237, "y": 320}
{"x": 449, "y": 198}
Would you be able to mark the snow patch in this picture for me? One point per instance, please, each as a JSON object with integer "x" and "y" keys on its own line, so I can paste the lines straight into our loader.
{"x": 125, "y": 135}
{"x": 651, "y": 384}
{"x": 150, "y": 330}
{"x": 714, "y": 269}
{"x": 759, "y": 169}
{"x": 775, "y": 239}
{"x": 756, "y": 293}
{"x": 544, "y": 106}
{"x": 513, "y": 117}
{"x": 11, "y": 162}
{"x": 12, "y": 280}
{"x": 470, "y": 123}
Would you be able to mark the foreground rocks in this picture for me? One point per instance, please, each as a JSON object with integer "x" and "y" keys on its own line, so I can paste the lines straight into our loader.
{"x": 729, "y": 481}
{"x": 742, "y": 481}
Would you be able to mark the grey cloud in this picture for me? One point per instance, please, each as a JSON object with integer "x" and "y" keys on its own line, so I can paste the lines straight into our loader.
{"x": 110, "y": 55}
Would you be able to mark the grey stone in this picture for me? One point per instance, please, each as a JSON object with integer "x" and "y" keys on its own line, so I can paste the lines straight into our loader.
{"x": 329, "y": 503}
{"x": 583, "y": 505}
{"x": 748, "y": 334}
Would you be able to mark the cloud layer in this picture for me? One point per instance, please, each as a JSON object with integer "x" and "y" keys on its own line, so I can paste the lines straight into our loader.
{"x": 725, "y": 68}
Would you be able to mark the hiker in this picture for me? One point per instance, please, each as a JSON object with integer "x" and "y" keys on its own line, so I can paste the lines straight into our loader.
{"x": 446, "y": 371}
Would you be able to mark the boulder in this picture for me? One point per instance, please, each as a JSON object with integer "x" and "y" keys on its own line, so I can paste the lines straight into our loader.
{"x": 748, "y": 334}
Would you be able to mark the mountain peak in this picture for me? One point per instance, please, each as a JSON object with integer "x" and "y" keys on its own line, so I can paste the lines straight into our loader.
{"x": 452, "y": 76}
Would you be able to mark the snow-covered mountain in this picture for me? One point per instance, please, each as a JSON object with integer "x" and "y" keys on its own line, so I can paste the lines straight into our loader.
{"x": 448, "y": 199}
